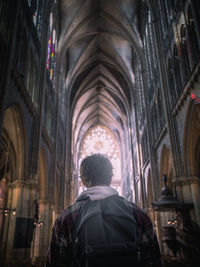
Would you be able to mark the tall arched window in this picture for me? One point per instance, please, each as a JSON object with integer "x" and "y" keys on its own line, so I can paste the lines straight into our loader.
{"x": 37, "y": 16}
{"x": 172, "y": 90}
{"x": 52, "y": 48}
{"x": 140, "y": 95}
{"x": 160, "y": 110}
{"x": 155, "y": 118}
{"x": 185, "y": 51}
{"x": 192, "y": 35}
{"x": 146, "y": 53}
{"x": 164, "y": 15}
{"x": 20, "y": 49}
{"x": 144, "y": 146}
{"x": 37, "y": 12}
{"x": 177, "y": 73}
{"x": 31, "y": 78}
{"x": 150, "y": 53}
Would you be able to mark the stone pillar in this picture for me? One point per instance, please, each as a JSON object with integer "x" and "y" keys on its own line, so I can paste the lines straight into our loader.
{"x": 158, "y": 229}
{"x": 42, "y": 231}
{"x": 18, "y": 226}
{"x": 188, "y": 191}
{"x": 178, "y": 186}
{"x": 195, "y": 190}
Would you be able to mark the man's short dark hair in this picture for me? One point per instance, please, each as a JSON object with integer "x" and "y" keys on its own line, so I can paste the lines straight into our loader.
{"x": 96, "y": 170}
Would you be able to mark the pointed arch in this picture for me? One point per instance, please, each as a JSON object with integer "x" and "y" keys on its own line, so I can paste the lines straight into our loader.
{"x": 192, "y": 141}
{"x": 14, "y": 132}
{"x": 13, "y": 165}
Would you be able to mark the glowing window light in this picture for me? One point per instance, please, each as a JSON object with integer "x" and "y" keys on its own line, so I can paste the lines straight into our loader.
{"x": 51, "y": 21}
{"x": 54, "y": 36}
{"x": 99, "y": 140}
{"x": 52, "y": 44}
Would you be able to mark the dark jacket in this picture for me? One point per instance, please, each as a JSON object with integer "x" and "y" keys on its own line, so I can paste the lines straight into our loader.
{"x": 60, "y": 251}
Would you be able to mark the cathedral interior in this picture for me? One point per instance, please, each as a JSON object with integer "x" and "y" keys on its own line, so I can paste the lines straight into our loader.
{"x": 118, "y": 77}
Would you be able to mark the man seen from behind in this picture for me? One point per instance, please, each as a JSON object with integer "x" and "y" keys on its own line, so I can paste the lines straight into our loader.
{"x": 102, "y": 229}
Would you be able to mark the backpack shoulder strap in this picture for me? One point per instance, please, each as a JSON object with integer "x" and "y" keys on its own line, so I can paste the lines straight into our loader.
{"x": 78, "y": 220}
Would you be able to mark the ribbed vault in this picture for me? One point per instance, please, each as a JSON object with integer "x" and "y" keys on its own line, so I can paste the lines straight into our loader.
{"x": 99, "y": 41}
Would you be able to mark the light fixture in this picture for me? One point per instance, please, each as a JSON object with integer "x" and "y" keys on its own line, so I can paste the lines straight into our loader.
{"x": 169, "y": 221}
{"x": 6, "y": 211}
{"x": 41, "y": 223}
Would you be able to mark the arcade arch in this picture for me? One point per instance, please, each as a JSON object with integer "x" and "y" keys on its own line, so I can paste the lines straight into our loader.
{"x": 13, "y": 166}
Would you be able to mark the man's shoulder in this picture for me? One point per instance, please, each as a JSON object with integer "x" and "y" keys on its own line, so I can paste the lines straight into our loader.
{"x": 140, "y": 215}
{"x": 69, "y": 215}
{"x": 72, "y": 209}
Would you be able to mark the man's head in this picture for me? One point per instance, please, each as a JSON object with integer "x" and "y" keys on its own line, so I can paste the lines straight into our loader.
{"x": 96, "y": 170}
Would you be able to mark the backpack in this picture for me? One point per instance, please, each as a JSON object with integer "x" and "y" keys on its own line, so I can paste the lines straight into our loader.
{"x": 105, "y": 235}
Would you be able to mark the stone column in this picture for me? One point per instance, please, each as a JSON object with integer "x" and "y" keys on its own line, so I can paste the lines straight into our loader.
{"x": 42, "y": 231}
{"x": 195, "y": 190}
{"x": 188, "y": 191}
{"x": 18, "y": 226}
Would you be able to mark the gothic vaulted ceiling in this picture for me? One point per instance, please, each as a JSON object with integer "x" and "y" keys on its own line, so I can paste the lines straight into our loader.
{"x": 97, "y": 45}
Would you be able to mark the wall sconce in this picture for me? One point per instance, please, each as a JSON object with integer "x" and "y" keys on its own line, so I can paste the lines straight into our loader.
{"x": 41, "y": 223}
{"x": 6, "y": 211}
{"x": 14, "y": 212}
{"x": 170, "y": 221}
{"x": 38, "y": 223}
{"x": 36, "y": 215}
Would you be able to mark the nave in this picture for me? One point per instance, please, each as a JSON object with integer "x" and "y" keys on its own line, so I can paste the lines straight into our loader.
{"x": 118, "y": 77}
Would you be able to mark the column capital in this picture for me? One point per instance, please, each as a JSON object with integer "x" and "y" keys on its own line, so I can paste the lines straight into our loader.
{"x": 20, "y": 183}
{"x": 185, "y": 181}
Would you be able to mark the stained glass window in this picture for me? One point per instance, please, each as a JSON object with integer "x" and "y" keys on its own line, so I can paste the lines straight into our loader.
{"x": 37, "y": 12}
{"x": 100, "y": 140}
{"x": 52, "y": 46}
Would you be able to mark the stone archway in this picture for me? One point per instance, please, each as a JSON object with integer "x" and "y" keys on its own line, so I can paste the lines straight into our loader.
{"x": 192, "y": 140}
{"x": 191, "y": 185}
{"x": 13, "y": 163}
{"x": 197, "y": 159}
{"x": 13, "y": 127}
